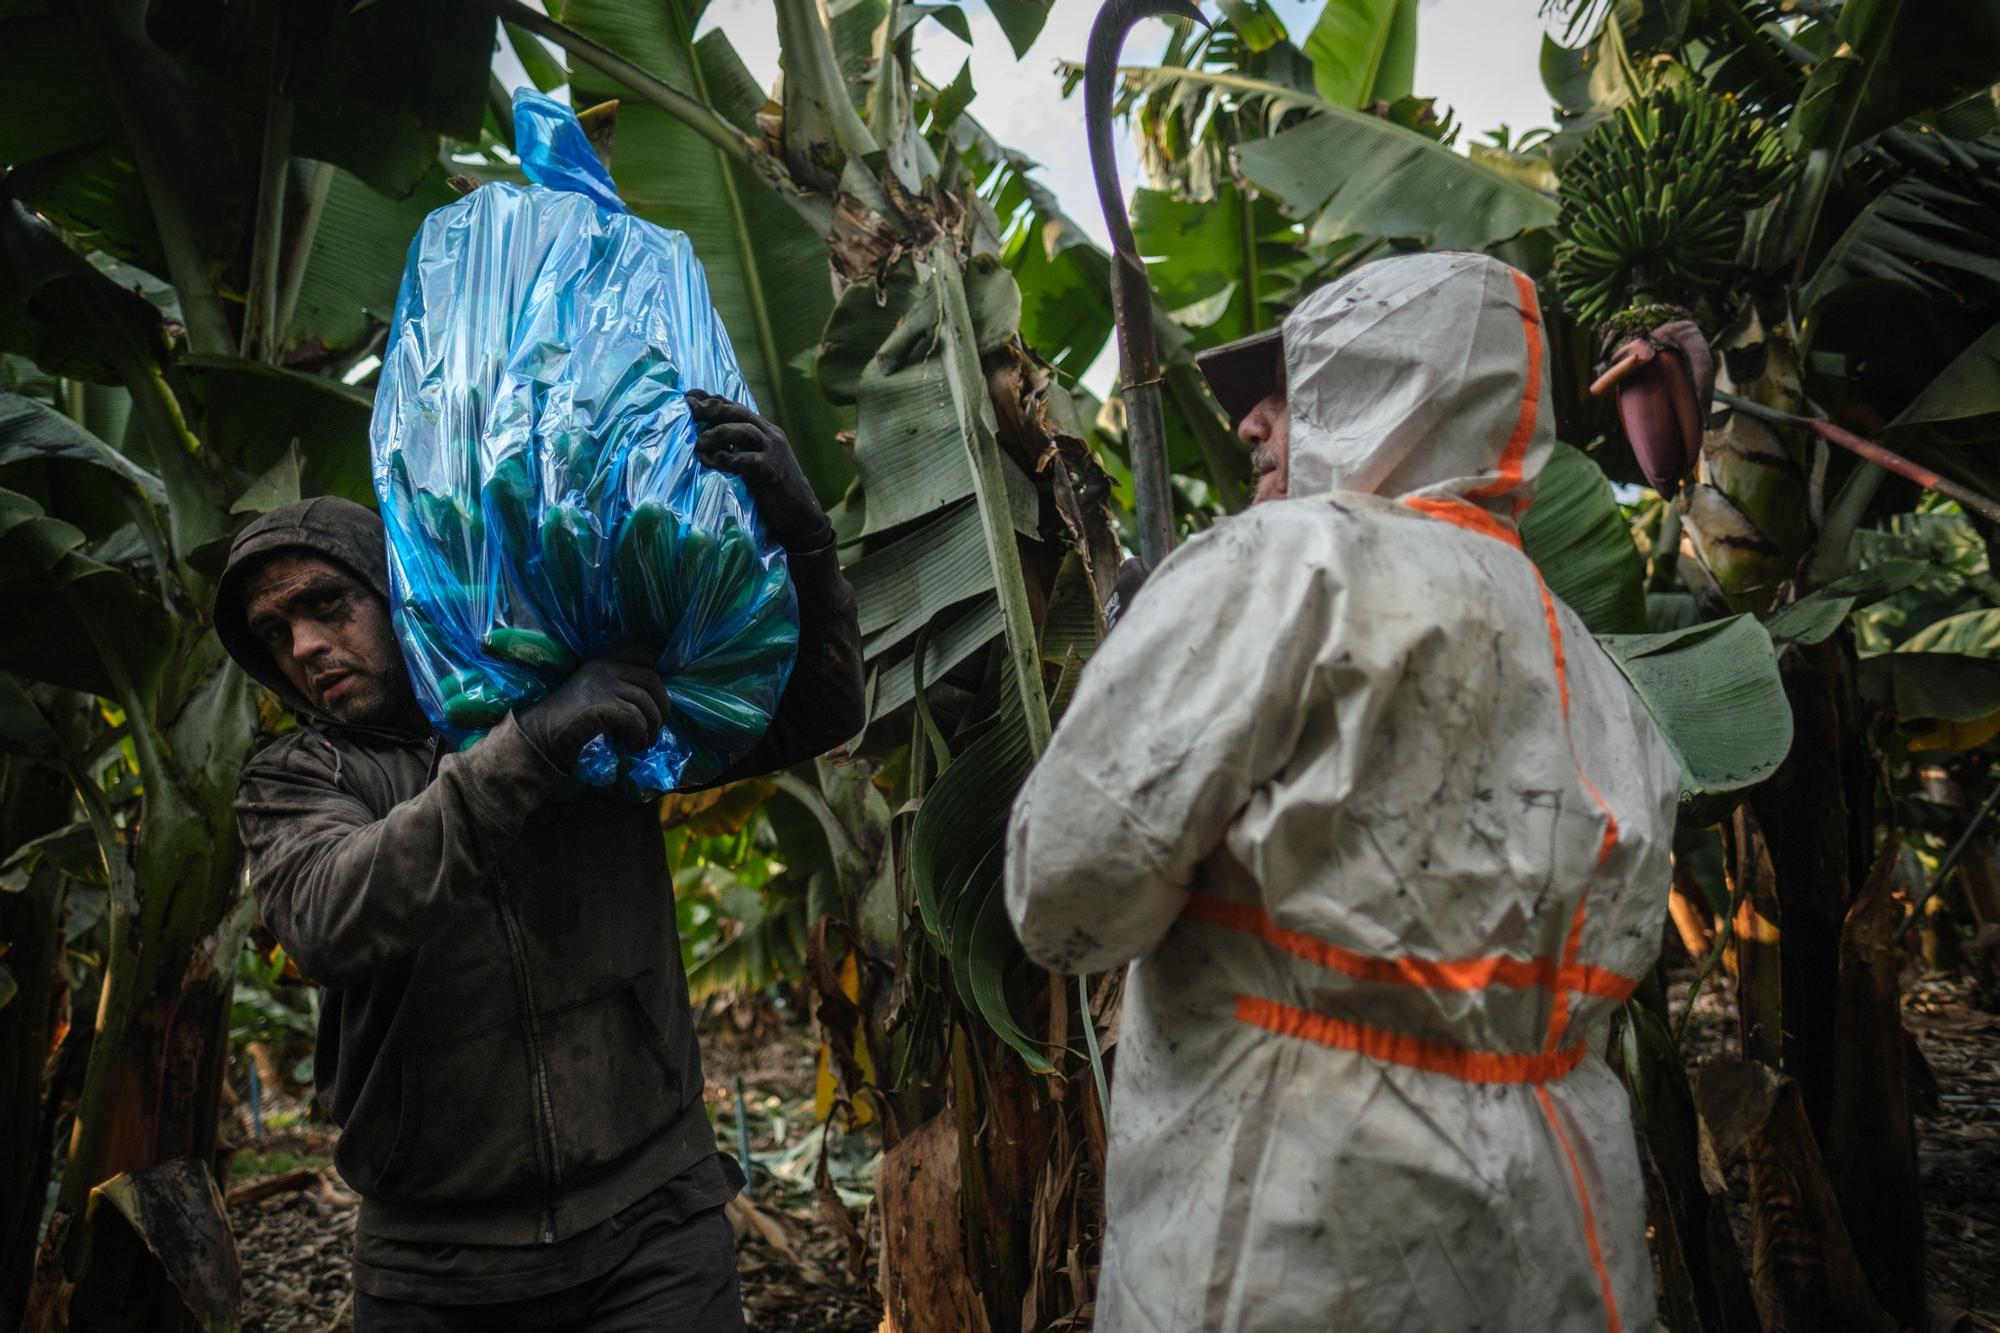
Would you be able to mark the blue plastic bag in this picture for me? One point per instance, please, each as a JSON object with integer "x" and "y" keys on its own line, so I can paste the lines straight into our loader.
{"x": 535, "y": 464}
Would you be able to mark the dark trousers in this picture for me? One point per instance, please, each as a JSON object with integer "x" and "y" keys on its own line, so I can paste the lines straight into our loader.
{"x": 680, "y": 1279}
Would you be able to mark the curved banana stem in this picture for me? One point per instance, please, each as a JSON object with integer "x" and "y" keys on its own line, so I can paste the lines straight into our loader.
{"x": 1637, "y": 353}
{"x": 1131, "y": 295}
{"x": 1883, "y": 458}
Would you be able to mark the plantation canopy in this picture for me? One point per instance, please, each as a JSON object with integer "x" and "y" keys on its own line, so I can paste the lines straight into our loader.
{"x": 1388, "y": 835}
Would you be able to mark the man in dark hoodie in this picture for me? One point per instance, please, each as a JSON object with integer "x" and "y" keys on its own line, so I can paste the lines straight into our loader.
{"x": 505, "y": 1037}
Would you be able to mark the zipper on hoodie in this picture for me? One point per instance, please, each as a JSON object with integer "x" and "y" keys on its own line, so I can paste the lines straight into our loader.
{"x": 545, "y": 1119}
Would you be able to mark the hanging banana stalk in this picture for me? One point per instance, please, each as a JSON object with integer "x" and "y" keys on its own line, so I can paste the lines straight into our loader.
{"x": 1747, "y": 517}
{"x": 1131, "y": 294}
{"x": 1663, "y": 378}
{"x": 1654, "y": 207}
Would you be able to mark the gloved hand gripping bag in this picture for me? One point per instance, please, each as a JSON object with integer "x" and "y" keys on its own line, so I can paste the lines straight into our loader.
{"x": 535, "y": 464}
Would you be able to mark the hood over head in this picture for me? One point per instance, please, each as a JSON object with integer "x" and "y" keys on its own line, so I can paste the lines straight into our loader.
{"x": 1420, "y": 377}
{"x": 340, "y": 530}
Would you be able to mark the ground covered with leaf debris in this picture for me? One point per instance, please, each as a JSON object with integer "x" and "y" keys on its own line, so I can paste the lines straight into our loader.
{"x": 798, "y": 1268}
{"x": 804, "y": 1268}
{"x": 1958, "y": 1110}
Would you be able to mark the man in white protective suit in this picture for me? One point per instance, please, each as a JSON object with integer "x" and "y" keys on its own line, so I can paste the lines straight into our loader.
{"x": 1387, "y": 835}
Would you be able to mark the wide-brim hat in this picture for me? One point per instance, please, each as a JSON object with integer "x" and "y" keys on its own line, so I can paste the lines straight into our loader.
{"x": 1243, "y": 373}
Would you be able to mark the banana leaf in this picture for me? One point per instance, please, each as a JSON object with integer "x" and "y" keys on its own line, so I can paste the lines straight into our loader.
{"x": 766, "y": 268}
{"x": 1364, "y": 51}
{"x": 1947, "y": 686}
{"x": 1349, "y": 173}
{"x": 1578, "y": 537}
{"x": 903, "y": 586}
{"x": 1716, "y": 696}
{"x": 1962, "y": 404}
{"x": 955, "y": 863}
{"x": 1814, "y": 618}
{"x": 1968, "y": 634}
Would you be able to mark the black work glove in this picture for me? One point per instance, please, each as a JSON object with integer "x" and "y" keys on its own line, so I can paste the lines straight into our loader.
{"x": 731, "y": 438}
{"x": 622, "y": 700}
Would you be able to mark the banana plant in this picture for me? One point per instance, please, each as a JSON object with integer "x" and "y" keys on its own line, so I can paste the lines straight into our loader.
{"x": 106, "y": 610}
{"x": 848, "y": 217}
{"x": 54, "y": 886}
{"x": 1827, "y": 292}
{"x": 1274, "y": 167}
{"x": 1239, "y": 116}
{"x": 190, "y": 258}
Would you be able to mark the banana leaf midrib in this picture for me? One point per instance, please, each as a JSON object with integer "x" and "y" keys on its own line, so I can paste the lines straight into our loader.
{"x": 1262, "y": 88}
{"x": 753, "y": 277}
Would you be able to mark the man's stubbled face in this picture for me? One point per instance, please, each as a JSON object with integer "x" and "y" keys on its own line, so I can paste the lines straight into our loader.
{"x": 330, "y": 636}
{"x": 1267, "y": 430}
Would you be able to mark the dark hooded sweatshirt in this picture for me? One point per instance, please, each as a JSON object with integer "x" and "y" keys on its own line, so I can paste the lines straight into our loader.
{"x": 505, "y": 1038}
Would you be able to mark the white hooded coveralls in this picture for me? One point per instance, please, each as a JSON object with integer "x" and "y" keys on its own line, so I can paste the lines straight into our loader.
{"x": 1387, "y": 833}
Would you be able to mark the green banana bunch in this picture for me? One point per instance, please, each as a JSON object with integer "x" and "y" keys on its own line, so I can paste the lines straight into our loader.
{"x": 712, "y": 709}
{"x": 527, "y": 648}
{"x": 696, "y": 592}
{"x": 578, "y": 451}
{"x": 1654, "y": 205}
{"x": 669, "y": 571}
{"x": 713, "y": 618}
{"x": 569, "y": 553}
{"x": 652, "y": 595}
{"x": 457, "y": 533}
{"x": 510, "y": 499}
{"x": 473, "y": 700}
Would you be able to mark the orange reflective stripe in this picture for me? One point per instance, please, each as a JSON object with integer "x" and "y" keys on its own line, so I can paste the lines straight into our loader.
{"x": 1461, "y": 513}
{"x": 1573, "y": 944}
{"x": 1516, "y": 451}
{"x": 1559, "y": 1011}
{"x": 1556, "y": 645}
{"x": 1591, "y": 1241}
{"x": 1600, "y": 982}
{"x": 1610, "y": 839}
{"x": 1399, "y": 1048}
{"x": 1460, "y": 974}
{"x": 1465, "y": 514}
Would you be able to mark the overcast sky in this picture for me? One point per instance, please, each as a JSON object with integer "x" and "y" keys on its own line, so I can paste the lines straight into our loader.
{"x": 1479, "y": 57}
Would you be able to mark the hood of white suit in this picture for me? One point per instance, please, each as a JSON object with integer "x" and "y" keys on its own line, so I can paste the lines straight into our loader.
{"x": 1407, "y": 377}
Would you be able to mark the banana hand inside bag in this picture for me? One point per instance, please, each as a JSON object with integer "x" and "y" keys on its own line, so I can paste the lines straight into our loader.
{"x": 535, "y": 463}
